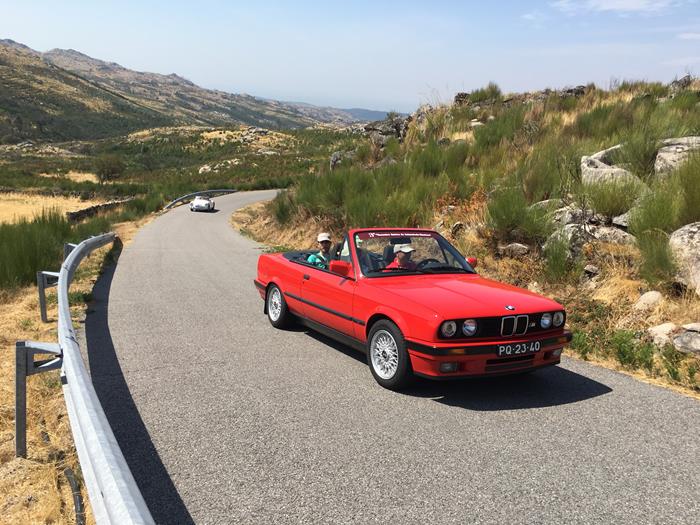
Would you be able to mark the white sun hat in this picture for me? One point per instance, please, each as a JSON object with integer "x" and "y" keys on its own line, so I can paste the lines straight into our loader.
{"x": 405, "y": 248}
{"x": 323, "y": 237}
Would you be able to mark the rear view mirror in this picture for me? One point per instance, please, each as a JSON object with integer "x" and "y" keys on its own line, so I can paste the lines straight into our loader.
{"x": 472, "y": 261}
{"x": 340, "y": 267}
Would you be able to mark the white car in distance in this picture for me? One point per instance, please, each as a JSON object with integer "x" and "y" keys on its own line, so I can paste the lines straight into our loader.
{"x": 200, "y": 203}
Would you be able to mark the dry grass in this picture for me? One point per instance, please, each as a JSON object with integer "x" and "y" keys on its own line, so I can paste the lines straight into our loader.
{"x": 75, "y": 176}
{"x": 273, "y": 139}
{"x": 17, "y": 206}
{"x": 34, "y": 490}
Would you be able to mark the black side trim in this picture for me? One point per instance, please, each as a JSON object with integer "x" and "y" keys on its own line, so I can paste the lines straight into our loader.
{"x": 334, "y": 334}
{"x": 330, "y": 311}
{"x": 259, "y": 284}
{"x": 476, "y": 350}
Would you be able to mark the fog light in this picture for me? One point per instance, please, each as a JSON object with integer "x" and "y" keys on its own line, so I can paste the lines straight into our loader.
{"x": 556, "y": 353}
{"x": 448, "y": 367}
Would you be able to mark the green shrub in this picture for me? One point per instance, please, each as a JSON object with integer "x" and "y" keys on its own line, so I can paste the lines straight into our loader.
{"x": 502, "y": 128}
{"x": 556, "y": 257}
{"x": 657, "y": 265}
{"x": 612, "y": 198}
{"x": 511, "y": 218}
{"x": 490, "y": 92}
{"x": 623, "y": 347}
{"x": 363, "y": 153}
{"x": 657, "y": 209}
{"x": 672, "y": 360}
{"x": 282, "y": 207}
{"x": 581, "y": 344}
{"x": 638, "y": 151}
{"x": 687, "y": 181}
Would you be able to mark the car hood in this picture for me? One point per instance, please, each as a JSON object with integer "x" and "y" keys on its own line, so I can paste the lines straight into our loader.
{"x": 453, "y": 296}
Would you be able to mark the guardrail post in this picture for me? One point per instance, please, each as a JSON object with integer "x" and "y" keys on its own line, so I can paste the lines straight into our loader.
{"x": 26, "y": 366}
{"x": 67, "y": 248}
{"x": 45, "y": 280}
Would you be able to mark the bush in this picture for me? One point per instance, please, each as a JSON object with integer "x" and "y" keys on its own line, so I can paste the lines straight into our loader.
{"x": 687, "y": 181}
{"x": 612, "y": 198}
{"x": 657, "y": 264}
{"x": 109, "y": 167}
{"x": 282, "y": 207}
{"x": 511, "y": 218}
{"x": 581, "y": 344}
{"x": 490, "y": 92}
{"x": 502, "y": 128}
{"x": 556, "y": 256}
{"x": 672, "y": 360}
{"x": 631, "y": 354}
{"x": 638, "y": 151}
{"x": 551, "y": 170}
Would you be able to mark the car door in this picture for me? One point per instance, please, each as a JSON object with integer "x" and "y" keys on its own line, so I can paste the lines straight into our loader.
{"x": 328, "y": 297}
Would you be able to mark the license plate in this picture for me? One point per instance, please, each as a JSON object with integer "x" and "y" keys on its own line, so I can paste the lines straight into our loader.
{"x": 519, "y": 348}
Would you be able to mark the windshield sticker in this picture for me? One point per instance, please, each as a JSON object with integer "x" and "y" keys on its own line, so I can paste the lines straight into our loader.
{"x": 373, "y": 235}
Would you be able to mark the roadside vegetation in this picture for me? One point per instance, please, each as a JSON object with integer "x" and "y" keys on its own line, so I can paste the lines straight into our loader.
{"x": 494, "y": 169}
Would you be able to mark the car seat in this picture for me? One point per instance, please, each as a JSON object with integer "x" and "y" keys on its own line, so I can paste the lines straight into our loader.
{"x": 388, "y": 254}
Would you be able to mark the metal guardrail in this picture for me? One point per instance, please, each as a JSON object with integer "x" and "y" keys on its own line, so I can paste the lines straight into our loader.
{"x": 189, "y": 196}
{"x": 113, "y": 493}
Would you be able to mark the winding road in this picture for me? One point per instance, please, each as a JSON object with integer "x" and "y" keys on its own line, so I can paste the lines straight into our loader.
{"x": 224, "y": 419}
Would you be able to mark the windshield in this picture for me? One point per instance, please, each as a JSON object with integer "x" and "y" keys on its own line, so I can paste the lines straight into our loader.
{"x": 383, "y": 253}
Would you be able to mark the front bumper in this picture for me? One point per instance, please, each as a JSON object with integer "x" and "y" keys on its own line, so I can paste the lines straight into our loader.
{"x": 481, "y": 359}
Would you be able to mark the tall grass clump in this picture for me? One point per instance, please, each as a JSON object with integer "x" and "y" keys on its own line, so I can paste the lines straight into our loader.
{"x": 489, "y": 93}
{"x": 282, "y": 207}
{"x": 31, "y": 245}
{"x": 611, "y": 198}
{"x": 556, "y": 258}
{"x": 502, "y": 128}
{"x": 638, "y": 151}
{"x": 511, "y": 218}
{"x": 551, "y": 170}
{"x": 687, "y": 179}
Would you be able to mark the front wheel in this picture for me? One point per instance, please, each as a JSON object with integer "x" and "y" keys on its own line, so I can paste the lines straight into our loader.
{"x": 387, "y": 356}
{"x": 277, "y": 311}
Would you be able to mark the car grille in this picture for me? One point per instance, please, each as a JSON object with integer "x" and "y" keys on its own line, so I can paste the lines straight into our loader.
{"x": 503, "y": 327}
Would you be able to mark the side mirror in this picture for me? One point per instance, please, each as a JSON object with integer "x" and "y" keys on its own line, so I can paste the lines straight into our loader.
{"x": 472, "y": 261}
{"x": 341, "y": 268}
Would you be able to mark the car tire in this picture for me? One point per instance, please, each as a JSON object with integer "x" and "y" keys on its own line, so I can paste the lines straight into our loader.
{"x": 276, "y": 306}
{"x": 387, "y": 356}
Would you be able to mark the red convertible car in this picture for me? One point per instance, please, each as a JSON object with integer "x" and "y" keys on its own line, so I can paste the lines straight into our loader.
{"x": 409, "y": 300}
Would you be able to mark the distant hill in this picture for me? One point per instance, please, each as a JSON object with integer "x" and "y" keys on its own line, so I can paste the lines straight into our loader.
{"x": 366, "y": 114}
{"x": 65, "y": 94}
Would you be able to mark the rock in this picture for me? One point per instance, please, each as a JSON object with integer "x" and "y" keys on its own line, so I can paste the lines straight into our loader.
{"x": 490, "y": 118}
{"x": 687, "y": 342}
{"x": 382, "y": 130}
{"x": 661, "y": 334}
{"x": 591, "y": 270}
{"x": 461, "y": 99}
{"x": 692, "y": 327}
{"x": 514, "y": 249}
{"x": 456, "y": 228}
{"x": 577, "y": 91}
{"x": 339, "y": 157}
{"x": 386, "y": 161}
{"x": 674, "y": 152}
{"x": 600, "y": 168}
{"x": 685, "y": 246}
{"x": 648, "y": 301}
{"x": 574, "y": 215}
{"x": 680, "y": 84}
{"x": 612, "y": 235}
{"x": 475, "y": 123}
{"x": 549, "y": 204}
{"x": 439, "y": 225}
{"x": 622, "y": 221}
{"x": 205, "y": 169}
{"x": 444, "y": 141}
{"x": 575, "y": 236}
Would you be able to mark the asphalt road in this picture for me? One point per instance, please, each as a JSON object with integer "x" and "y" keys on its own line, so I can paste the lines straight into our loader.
{"x": 224, "y": 419}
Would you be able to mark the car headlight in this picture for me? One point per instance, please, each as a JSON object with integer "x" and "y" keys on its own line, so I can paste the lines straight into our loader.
{"x": 558, "y": 318}
{"x": 546, "y": 320}
{"x": 469, "y": 327}
{"x": 448, "y": 328}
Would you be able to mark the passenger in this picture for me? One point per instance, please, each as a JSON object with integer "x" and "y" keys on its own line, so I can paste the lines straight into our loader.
{"x": 323, "y": 257}
{"x": 403, "y": 257}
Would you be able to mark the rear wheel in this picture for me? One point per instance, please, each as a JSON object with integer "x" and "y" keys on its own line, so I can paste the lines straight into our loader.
{"x": 387, "y": 356}
{"x": 277, "y": 311}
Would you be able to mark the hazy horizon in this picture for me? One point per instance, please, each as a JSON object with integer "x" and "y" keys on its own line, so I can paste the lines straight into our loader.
{"x": 392, "y": 56}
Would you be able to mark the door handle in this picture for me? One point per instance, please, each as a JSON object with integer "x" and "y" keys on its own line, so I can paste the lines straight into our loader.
{"x": 307, "y": 277}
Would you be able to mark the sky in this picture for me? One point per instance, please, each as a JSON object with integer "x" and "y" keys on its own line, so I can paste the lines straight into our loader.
{"x": 387, "y": 55}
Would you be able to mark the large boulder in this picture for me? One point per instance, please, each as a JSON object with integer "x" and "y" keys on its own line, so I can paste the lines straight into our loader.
{"x": 391, "y": 127}
{"x": 573, "y": 235}
{"x": 688, "y": 340}
{"x": 685, "y": 245}
{"x": 612, "y": 235}
{"x": 600, "y": 167}
{"x": 675, "y": 152}
{"x": 661, "y": 334}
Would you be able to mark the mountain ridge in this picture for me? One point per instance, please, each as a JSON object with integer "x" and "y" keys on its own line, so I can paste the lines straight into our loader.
{"x": 63, "y": 80}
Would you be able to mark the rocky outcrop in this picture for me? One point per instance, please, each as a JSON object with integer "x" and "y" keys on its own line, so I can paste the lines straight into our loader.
{"x": 514, "y": 249}
{"x": 381, "y": 131}
{"x": 685, "y": 245}
{"x": 675, "y": 152}
{"x": 680, "y": 84}
{"x": 611, "y": 235}
{"x": 661, "y": 334}
{"x": 600, "y": 167}
{"x": 688, "y": 340}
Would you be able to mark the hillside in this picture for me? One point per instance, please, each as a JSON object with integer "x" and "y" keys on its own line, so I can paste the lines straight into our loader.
{"x": 40, "y": 100}
{"x": 65, "y": 94}
{"x": 587, "y": 195}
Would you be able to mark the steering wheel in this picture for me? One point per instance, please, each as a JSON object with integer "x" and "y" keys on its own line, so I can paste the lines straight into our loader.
{"x": 426, "y": 262}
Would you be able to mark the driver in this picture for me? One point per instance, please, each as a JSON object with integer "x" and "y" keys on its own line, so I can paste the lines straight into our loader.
{"x": 322, "y": 258}
{"x": 403, "y": 257}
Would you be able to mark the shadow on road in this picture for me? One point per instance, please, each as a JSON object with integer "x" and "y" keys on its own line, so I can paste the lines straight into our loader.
{"x": 153, "y": 480}
{"x": 551, "y": 386}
